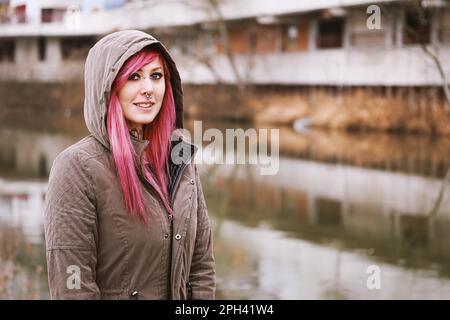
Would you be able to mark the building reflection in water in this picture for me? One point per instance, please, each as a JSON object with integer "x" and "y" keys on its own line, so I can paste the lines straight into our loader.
{"x": 21, "y": 205}
{"x": 312, "y": 230}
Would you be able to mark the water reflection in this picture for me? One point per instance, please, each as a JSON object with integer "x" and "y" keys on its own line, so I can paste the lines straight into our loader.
{"x": 311, "y": 231}
{"x": 29, "y": 154}
{"x": 345, "y": 217}
{"x": 421, "y": 155}
{"x": 336, "y": 218}
{"x": 21, "y": 206}
{"x": 261, "y": 263}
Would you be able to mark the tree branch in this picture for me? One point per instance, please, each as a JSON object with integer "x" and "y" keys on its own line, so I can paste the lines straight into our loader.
{"x": 437, "y": 62}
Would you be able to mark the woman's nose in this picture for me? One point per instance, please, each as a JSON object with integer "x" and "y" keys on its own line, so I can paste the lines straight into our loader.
{"x": 147, "y": 85}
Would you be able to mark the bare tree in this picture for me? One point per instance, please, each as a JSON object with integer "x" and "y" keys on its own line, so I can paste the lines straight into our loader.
{"x": 428, "y": 46}
{"x": 217, "y": 23}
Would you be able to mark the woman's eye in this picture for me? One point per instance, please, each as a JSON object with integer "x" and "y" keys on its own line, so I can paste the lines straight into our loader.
{"x": 157, "y": 75}
{"x": 134, "y": 76}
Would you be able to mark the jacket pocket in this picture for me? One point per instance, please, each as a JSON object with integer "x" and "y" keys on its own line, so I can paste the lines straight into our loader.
{"x": 189, "y": 290}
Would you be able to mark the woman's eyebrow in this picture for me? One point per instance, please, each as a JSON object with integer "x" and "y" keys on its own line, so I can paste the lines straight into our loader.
{"x": 154, "y": 69}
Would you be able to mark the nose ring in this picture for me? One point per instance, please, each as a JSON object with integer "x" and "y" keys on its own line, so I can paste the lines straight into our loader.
{"x": 147, "y": 96}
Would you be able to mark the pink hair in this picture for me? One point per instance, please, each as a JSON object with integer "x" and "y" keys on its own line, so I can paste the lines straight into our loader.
{"x": 154, "y": 162}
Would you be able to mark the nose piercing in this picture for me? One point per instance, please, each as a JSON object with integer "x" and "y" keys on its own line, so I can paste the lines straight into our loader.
{"x": 148, "y": 96}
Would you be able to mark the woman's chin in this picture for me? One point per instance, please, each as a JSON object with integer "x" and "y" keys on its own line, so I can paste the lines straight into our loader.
{"x": 144, "y": 121}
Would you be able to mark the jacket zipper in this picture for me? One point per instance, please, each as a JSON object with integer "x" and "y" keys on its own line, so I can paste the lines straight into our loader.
{"x": 189, "y": 290}
{"x": 177, "y": 182}
{"x": 170, "y": 217}
{"x": 169, "y": 284}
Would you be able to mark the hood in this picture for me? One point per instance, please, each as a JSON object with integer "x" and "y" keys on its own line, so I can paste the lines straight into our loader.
{"x": 103, "y": 63}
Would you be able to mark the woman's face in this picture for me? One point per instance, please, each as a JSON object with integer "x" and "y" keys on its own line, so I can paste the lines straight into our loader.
{"x": 142, "y": 95}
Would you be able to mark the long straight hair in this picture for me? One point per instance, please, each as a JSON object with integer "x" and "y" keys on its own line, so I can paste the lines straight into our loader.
{"x": 154, "y": 162}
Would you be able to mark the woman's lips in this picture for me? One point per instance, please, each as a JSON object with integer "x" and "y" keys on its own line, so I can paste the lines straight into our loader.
{"x": 144, "y": 105}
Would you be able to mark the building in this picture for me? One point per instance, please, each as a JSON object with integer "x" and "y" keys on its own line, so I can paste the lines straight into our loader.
{"x": 299, "y": 43}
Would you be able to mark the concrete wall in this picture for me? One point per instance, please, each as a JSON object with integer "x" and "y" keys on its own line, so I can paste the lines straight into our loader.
{"x": 408, "y": 66}
{"x": 27, "y": 66}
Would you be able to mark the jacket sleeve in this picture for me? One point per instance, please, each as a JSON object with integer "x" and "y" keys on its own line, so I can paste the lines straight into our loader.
{"x": 70, "y": 223}
{"x": 202, "y": 274}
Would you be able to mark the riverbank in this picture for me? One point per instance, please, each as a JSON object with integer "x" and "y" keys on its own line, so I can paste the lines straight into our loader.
{"x": 385, "y": 109}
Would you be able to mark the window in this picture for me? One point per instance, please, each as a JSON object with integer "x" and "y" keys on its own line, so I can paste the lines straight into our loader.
{"x": 417, "y": 27}
{"x": 240, "y": 39}
{"x": 329, "y": 212}
{"x": 414, "y": 230}
{"x": 363, "y": 37}
{"x": 330, "y": 33}
{"x": 4, "y": 12}
{"x": 188, "y": 44}
{"x": 295, "y": 37}
{"x": 208, "y": 41}
{"x": 20, "y": 12}
{"x": 7, "y": 50}
{"x": 52, "y": 15}
{"x": 289, "y": 39}
{"x": 253, "y": 42}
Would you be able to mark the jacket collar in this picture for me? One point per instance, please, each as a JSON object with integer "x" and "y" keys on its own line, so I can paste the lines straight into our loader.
{"x": 139, "y": 145}
{"x": 180, "y": 147}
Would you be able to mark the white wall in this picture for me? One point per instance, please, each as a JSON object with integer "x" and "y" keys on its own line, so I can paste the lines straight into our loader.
{"x": 398, "y": 66}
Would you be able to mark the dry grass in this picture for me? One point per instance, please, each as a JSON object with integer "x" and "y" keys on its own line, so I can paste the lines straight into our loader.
{"x": 362, "y": 109}
{"x": 279, "y": 110}
{"x": 22, "y": 271}
{"x": 406, "y": 110}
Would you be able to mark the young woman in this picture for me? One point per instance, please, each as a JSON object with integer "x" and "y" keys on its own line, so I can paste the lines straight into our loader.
{"x": 125, "y": 216}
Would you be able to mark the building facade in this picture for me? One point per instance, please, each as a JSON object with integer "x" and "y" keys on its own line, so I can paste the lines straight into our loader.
{"x": 304, "y": 43}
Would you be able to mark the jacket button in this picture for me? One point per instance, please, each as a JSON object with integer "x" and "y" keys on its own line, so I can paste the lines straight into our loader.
{"x": 166, "y": 236}
{"x": 178, "y": 236}
{"x": 134, "y": 294}
{"x": 192, "y": 181}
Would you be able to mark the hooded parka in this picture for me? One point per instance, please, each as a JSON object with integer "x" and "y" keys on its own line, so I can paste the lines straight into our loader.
{"x": 95, "y": 249}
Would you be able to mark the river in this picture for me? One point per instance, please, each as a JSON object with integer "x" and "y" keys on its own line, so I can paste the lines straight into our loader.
{"x": 346, "y": 216}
